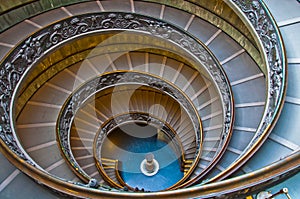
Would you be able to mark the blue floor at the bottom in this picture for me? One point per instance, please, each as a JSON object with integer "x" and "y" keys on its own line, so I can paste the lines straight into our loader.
{"x": 131, "y": 151}
{"x": 166, "y": 177}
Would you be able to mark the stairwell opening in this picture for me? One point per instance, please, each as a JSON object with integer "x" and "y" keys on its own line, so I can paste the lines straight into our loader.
{"x": 130, "y": 149}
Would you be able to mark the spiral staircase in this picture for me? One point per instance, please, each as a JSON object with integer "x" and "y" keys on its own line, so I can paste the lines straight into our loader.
{"x": 90, "y": 88}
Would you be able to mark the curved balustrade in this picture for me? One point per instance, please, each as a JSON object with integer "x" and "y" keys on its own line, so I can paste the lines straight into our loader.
{"x": 88, "y": 90}
{"x": 257, "y": 15}
{"x": 184, "y": 58}
{"x": 55, "y": 37}
{"x": 224, "y": 141}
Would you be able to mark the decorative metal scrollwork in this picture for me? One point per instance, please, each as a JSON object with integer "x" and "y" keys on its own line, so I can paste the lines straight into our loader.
{"x": 23, "y": 57}
{"x": 265, "y": 28}
{"x": 98, "y": 84}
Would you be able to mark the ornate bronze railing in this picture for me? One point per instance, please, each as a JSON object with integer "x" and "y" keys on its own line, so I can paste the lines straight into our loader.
{"x": 259, "y": 20}
{"x": 89, "y": 89}
{"x": 73, "y": 28}
{"x": 268, "y": 39}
